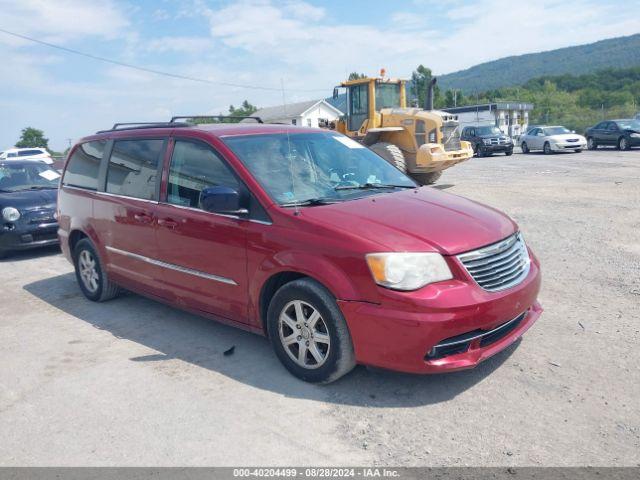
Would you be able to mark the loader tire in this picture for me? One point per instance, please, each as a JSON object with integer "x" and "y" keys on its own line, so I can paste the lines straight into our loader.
{"x": 391, "y": 153}
{"x": 426, "y": 178}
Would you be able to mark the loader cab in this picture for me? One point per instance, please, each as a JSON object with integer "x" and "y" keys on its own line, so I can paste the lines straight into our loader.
{"x": 367, "y": 96}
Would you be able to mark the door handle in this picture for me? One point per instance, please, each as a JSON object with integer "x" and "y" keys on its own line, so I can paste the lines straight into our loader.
{"x": 168, "y": 222}
{"x": 143, "y": 218}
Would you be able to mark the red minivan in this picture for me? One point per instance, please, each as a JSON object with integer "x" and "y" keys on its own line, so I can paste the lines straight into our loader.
{"x": 299, "y": 234}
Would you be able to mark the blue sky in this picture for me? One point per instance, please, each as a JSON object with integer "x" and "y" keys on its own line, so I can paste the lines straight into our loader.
{"x": 308, "y": 46}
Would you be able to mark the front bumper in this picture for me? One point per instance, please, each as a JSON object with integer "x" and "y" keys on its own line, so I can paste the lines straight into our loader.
{"x": 559, "y": 147}
{"x": 498, "y": 148}
{"x": 401, "y": 332}
{"x": 18, "y": 236}
{"x": 432, "y": 157}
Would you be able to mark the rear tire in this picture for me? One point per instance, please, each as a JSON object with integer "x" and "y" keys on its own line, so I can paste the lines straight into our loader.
{"x": 591, "y": 144}
{"x": 525, "y": 147}
{"x": 308, "y": 332}
{"x": 426, "y": 178}
{"x": 90, "y": 273}
{"x": 391, "y": 153}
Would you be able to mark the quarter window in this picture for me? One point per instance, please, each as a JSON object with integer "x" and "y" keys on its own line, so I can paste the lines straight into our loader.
{"x": 133, "y": 168}
{"x": 84, "y": 164}
{"x": 194, "y": 167}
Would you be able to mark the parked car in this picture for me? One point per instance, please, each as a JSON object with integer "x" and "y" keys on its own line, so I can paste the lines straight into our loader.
{"x": 624, "y": 134}
{"x": 27, "y": 205}
{"x": 300, "y": 234}
{"x": 39, "y": 154}
{"x": 487, "y": 140}
{"x": 551, "y": 139}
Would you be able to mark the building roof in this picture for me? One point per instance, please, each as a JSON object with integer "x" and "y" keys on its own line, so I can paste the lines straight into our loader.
{"x": 291, "y": 110}
{"x": 491, "y": 106}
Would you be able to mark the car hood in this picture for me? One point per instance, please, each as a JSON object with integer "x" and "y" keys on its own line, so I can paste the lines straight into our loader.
{"x": 567, "y": 136}
{"x": 424, "y": 219}
{"x": 29, "y": 199}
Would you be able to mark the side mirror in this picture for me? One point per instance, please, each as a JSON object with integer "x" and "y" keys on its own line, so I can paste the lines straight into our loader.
{"x": 222, "y": 199}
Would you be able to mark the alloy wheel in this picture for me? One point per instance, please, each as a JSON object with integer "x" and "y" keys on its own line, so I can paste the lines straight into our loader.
{"x": 304, "y": 334}
{"x": 88, "y": 271}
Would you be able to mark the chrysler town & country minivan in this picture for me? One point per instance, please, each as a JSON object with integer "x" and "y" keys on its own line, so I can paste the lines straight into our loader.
{"x": 302, "y": 235}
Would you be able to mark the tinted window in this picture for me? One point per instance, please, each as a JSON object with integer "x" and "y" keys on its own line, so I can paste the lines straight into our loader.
{"x": 387, "y": 95}
{"x": 612, "y": 126}
{"x": 133, "y": 168}
{"x": 194, "y": 167}
{"x": 601, "y": 125}
{"x": 27, "y": 153}
{"x": 82, "y": 167}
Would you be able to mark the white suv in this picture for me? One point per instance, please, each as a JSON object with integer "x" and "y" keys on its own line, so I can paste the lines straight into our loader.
{"x": 39, "y": 154}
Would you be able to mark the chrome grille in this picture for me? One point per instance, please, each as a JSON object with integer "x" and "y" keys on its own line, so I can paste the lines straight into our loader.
{"x": 498, "y": 266}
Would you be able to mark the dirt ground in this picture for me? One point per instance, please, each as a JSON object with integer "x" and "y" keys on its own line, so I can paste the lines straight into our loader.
{"x": 134, "y": 382}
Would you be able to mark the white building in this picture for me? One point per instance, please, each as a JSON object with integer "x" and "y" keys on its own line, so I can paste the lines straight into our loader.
{"x": 510, "y": 117}
{"x": 312, "y": 113}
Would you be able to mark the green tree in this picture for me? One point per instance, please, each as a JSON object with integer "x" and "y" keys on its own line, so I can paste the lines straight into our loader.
{"x": 32, "y": 137}
{"x": 356, "y": 76}
{"x": 420, "y": 79}
{"x": 246, "y": 109}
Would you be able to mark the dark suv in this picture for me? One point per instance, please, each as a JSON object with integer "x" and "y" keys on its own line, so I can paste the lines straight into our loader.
{"x": 487, "y": 140}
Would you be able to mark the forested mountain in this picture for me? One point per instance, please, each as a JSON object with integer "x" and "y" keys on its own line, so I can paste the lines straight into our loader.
{"x": 621, "y": 52}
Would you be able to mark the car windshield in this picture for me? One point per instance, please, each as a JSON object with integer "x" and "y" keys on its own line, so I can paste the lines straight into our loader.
{"x": 31, "y": 176}
{"x": 629, "y": 124}
{"x": 556, "y": 130}
{"x": 488, "y": 131}
{"x": 315, "y": 168}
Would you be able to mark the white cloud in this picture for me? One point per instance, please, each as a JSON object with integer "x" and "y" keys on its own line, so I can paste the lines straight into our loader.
{"x": 63, "y": 19}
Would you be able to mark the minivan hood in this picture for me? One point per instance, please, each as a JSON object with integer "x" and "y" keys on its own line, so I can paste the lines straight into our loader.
{"x": 418, "y": 220}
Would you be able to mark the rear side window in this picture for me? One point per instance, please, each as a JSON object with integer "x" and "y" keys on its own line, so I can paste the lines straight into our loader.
{"x": 133, "y": 168}
{"x": 194, "y": 167}
{"x": 84, "y": 164}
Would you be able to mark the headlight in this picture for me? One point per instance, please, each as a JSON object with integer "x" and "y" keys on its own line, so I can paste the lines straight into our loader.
{"x": 10, "y": 214}
{"x": 635, "y": 135}
{"x": 407, "y": 271}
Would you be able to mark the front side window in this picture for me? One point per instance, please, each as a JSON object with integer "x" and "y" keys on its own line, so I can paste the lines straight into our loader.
{"x": 358, "y": 105}
{"x": 83, "y": 166}
{"x": 194, "y": 167}
{"x": 300, "y": 167}
{"x": 133, "y": 168}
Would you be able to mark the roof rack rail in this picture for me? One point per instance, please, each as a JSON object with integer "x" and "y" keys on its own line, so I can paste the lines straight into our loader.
{"x": 138, "y": 125}
{"x": 221, "y": 117}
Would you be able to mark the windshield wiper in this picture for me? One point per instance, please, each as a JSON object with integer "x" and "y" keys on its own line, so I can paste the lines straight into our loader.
{"x": 40, "y": 187}
{"x": 309, "y": 202}
{"x": 367, "y": 186}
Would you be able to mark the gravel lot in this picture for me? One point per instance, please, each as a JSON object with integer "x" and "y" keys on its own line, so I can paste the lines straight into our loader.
{"x": 134, "y": 382}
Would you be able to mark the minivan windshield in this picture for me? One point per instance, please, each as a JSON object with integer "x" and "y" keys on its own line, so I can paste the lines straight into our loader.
{"x": 27, "y": 176}
{"x": 315, "y": 168}
{"x": 488, "y": 131}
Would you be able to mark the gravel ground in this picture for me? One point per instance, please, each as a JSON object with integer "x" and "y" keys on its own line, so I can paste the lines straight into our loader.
{"x": 134, "y": 382}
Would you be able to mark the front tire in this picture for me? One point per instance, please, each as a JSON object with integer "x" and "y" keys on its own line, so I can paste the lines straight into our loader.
{"x": 426, "y": 178}
{"x": 591, "y": 144}
{"x": 90, "y": 273}
{"x": 508, "y": 153}
{"x": 578, "y": 150}
{"x": 623, "y": 144}
{"x": 525, "y": 147}
{"x": 391, "y": 153}
{"x": 308, "y": 332}
{"x": 547, "y": 148}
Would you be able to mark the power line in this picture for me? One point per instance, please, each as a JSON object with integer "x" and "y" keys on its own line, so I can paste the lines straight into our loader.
{"x": 150, "y": 70}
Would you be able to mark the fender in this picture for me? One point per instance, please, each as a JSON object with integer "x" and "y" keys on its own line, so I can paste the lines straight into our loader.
{"x": 317, "y": 267}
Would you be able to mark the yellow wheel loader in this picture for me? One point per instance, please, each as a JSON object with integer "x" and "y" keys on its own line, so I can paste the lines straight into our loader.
{"x": 420, "y": 142}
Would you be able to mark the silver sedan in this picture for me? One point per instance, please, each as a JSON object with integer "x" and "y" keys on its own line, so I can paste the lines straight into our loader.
{"x": 552, "y": 139}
